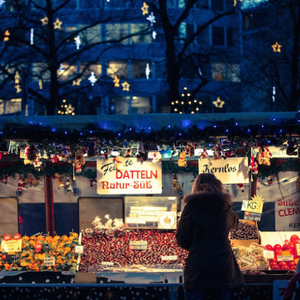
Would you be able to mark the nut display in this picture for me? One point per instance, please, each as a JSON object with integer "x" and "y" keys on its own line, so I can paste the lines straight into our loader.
{"x": 244, "y": 231}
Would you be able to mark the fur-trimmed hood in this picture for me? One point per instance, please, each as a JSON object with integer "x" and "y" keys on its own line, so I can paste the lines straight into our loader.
{"x": 210, "y": 202}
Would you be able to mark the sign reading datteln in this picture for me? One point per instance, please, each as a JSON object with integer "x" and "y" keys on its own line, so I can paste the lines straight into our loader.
{"x": 230, "y": 170}
{"x": 122, "y": 175}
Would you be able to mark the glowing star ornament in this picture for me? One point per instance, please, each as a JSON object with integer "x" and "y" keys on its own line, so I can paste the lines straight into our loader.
{"x": 151, "y": 19}
{"x": 116, "y": 81}
{"x": 144, "y": 8}
{"x": 77, "y": 42}
{"x": 276, "y": 47}
{"x": 44, "y": 21}
{"x": 57, "y": 24}
{"x": 218, "y": 103}
{"x": 76, "y": 82}
{"x": 147, "y": 70}
{"x": 126, "y": 86}
{"x": 93, "y": 79}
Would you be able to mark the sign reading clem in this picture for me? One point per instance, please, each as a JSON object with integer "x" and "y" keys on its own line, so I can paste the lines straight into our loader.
{"x": 231, "y": 170}
{"x": 128, "y": 176}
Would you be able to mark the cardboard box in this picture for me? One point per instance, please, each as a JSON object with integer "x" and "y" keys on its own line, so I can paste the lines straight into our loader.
{"x": 245, "y": 243}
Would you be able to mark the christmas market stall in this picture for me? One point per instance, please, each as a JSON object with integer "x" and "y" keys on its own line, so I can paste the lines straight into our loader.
{"x": 89, "y": 205}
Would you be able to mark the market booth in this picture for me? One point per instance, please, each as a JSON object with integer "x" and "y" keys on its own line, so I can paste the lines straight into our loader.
{"x": 96, "y": 217}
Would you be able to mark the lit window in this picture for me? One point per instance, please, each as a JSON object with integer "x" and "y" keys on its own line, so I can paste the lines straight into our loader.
{"x": 218, "y": 71}
{"x": 138, "y": 68}
{"x": 87, "y": 67}
{"x": 40, "y": 70}
{"x": 233, "y": 73}
{"x": 226, "y": 72}
{"x": 90, "y": 35}
{"x": 127, "y": 105}
{"x": 117, "y": 32}
{"x": 10, "y": 106}
{"x": 119, "y": 68}
{"x": 66, "y": 71}
{"x": 142, "y": 33}
{"x": 141, "y": 105}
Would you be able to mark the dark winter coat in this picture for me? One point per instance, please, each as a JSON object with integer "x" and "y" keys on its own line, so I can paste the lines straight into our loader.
{"x": 203, "y": 230}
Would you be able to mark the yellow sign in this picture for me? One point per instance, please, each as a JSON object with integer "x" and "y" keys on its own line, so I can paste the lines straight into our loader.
{"x": 11, "y": 246}
{"x": 255, "y": 205}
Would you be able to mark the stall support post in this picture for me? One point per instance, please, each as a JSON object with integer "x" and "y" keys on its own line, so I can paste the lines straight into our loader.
{"x": 49, "y": 205}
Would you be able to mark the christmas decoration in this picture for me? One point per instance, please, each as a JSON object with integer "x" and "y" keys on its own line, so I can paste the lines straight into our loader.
{"x": 182, "y": 161}
{"x": 156, "y": 157}
{"x": 31, "y": 36}
{"x": 151, "y": 19}
{"x": 4, "y": 178}
{"x": 116, "y": 81}
{"x": 218, "y": 152}
{"x": 30, "y": 154}
{"x": 175, "y": 185}
{"x": 68, "y": 186}
{"x": 263, "y": 157}
{"x": 59, "y": 180}
{"x": 190, "y": 150}
{"x": 218, "y": 103}
{"x": 144, "y": 8}
{"x": 241, "y": 186}
{"x": 44, "y": 21}
{"x": 125, "y": 86}
{"x": 93, "y": 182}
{"x": 77, "y": 42}
{"x": 6, "y": 35}
{"x": 91, "y": 149}
{"x": 1, "y": 3}
{"x": 128, "y": 152}
{"x": 20, "y": 186}
{"x": 276, "y": 47}
{"x": 57, "y": 24}
{"x": 292, "y": 148}
{"x": 76, "y": 82}
{"x": 30, "y": 180}
{"x": 154, "y": 33}
{"x": 253, "y": 165}
{"x": 147, "y": 70}
{"x": 92, "y": 79}
{"x": 142, "y": 151}
{"x": 41, "y": 84}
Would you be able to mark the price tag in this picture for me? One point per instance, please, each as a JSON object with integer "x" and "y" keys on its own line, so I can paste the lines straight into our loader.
{"x": 169, "y": 257}
{"x": 10, "y": 258}
{"x": 236, "y": 252}
{"x": 107, "y": 263}
{"x": 49, "y": 261}
{"x": 79, "y": 249}
{"x": 268, "y": 254}
{"x": 244, "y": 205}
{"x": 298, "y": 249}
{"x": 138, "y": 245}
{"x": 11, "y": 246}
{"x": 285, "y": 257}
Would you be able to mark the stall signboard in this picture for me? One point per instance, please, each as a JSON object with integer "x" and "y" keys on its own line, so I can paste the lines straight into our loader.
{"x": 287, "y": 213}
{"x": 232, "y": 170}
{"x": 125, "y": 176}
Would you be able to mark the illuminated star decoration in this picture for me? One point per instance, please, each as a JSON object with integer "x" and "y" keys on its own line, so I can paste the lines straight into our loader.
{"x": 92, "y": 78}
{"x": 218, "y": 103}
{"x": 116, "y": 81}
{"x": 44, "y": 21}
{"x": 57, "y": 24}
{"x": 145, "y": 8}
{"x": 126, "y": 86}
{"x": 76, "y": 82}
{"x": 77, "y": 41}
{"x": 31, "y": 36}
{"x": 147, "y": 70}
{"x": 151, "y": 19}
{"x": 41, "y": 84}
{"x": 276, "y": 47}
{"x": 1, "y": 3}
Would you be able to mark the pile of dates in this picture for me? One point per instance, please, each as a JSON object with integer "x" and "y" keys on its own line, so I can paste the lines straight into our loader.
{"x": 117, "y": 249}
{"x": 244, "y": 231}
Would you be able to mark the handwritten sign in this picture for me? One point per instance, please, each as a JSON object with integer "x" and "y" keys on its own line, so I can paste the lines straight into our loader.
{"x": 229, "y": 171}
{"x": 128, "y": 176}
{"x": 49, "y": 261}
{"x": 138, "y": 245}
{"x": 10, "y": 258}
{"x": 11, "y": 246}
{"x": 169, "y": 257}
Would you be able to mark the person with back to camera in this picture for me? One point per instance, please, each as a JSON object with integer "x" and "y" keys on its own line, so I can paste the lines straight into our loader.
{"x": 211, "y": 270}
{"x": 292, "y": 291}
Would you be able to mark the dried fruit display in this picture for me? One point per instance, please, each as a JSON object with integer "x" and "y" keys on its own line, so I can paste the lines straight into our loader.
{"x": 41, "y": 253}
{"x": 125, "y": 250}
{"x": 244, "y": 231}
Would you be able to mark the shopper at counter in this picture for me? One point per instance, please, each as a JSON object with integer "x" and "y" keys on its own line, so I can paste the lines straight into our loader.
{"x": 211, "y": 268}
{"x": 292, "y": 291}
